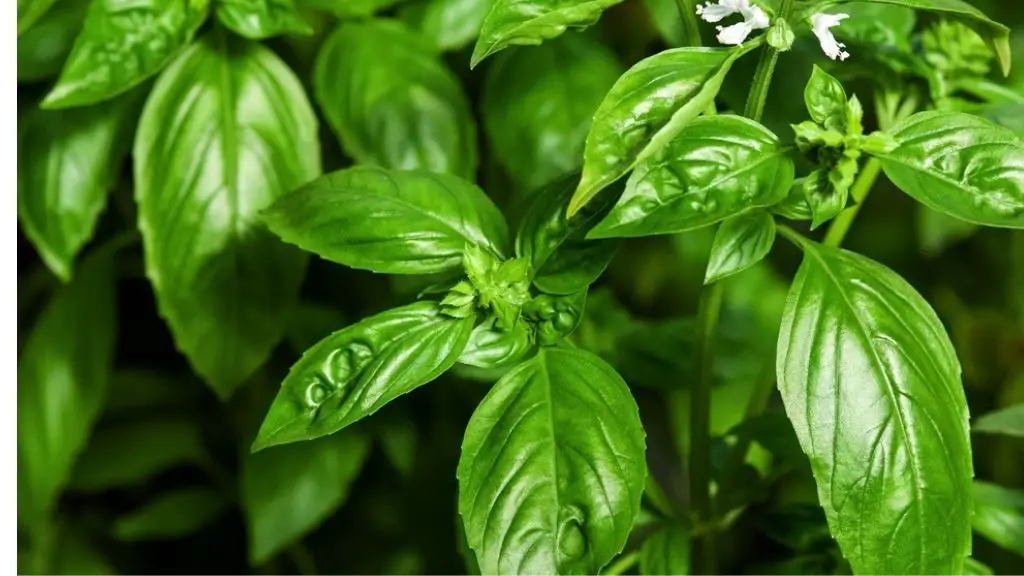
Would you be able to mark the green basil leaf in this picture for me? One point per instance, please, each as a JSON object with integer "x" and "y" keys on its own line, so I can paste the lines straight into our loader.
{"x": 740, "y": 242}
{"x": 171, "y": 515}
{"x": 562, "y": 260}
{"x": 68, "y": 160}
{"x": 63, "y": 375}
{"x": 447, "y": 24}
{"x": 30, "y": 11}
{"x": 1008, "y": 421}
{"x": 937, "y": 230}
{"x": 288, "y": 491}
{"x": 667, "y": 551}
{"x": 114, "y": 53}
{"x": 531, "y": 22}
{"x": 646, "y": 109}
{"x": 392, "y": 102}
{"x": 357, "y": 370}
{"x": 962, "y": 165}
{"x": 999, "y": 515}
{"x": 826, "y": 100}
{"x": 996, "y": 34}
{"x": 538, "y": 103}
{"x": 878, "y": 25}
{"x": 226, "y": 131}
{"x": 1009, "y": 116}
{"x": 259, "y": 19}
{"x": 555, "y": 317}
{"x": 794, "y": 206}
{"x": 44, "y": 47}
{"x": 391, "y": 222}
{"x": 715, "y": 168}
{"x": 129, "y": 454}
{"x": 552, "y": 467}
{"x": 348, "y": 9}
{"x": 872, "y": 386}
{"x": 493, "y": 347}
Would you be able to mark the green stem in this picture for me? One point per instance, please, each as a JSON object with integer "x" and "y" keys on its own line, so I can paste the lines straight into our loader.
{"x": 691, "y": 25}
{"x": 707, "y": 319}
{"x": 700, "y": 430}
{"x": 623, "y": 564}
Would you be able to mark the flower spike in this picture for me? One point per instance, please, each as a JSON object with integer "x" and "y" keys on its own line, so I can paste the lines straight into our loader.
{"x": 820, "y": 25}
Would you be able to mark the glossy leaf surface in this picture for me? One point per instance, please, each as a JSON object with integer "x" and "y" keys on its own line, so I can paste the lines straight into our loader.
{"x": 1008, "y": 421}
{"x": 289, "y": 490}
{"x": 552, "y": 467}
{"x": 872, "y": 386}
{"x": 63, "y": 377}
{"x": 562, "y": 260}
{"x": 492, "y": 347}
{"x": 667, "y": 551}
{"x": 171, "y": 515}
{"x": 826, "y": 100}
{"x": 999, "y": 515}
{"x": 259, "y": 19}
{"x": 122, "y": 44}
{"x": 740, "y": 242}
{"x": 392, "y": 222}
{"x": 530, "y": 22}
{"x": 997, "y": 34}
{"x": 447, "y": 24}
{"x": 391, "y": 101}
{"x": 226, "y": 131}
{"x": 961, "y": 165}
{"x": 68, "y": 160}
{"x": 357, "y": 370}
{"x": 538, "y": 103}
{"x": 644, "y": 111}
{"x": 715, "y": 168}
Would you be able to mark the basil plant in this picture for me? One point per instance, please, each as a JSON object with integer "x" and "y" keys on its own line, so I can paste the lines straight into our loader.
{"x": 496, "y": 287}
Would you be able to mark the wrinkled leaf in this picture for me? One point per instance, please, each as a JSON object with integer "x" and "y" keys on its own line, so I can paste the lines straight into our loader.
{"x": 961, "y": 165}
{"x": 552, "y": 467}
{"x": 715, "y": 168}
{"x": 740, "y": 242}
{"x": 123, "y": 43}
{"x": 44, "y": 47}
{"x": 794, "y": 206}
{"x": 226, "y": 131}
{"x": 826, "y": 100}
{"x": 1008, "y": 421}
{"x": 68, "y": 161}
{"x": 357, "y": 370}
{"x": 392, "y": 222}
{"x": 288, "y": 491}
{"x": 999, "y": 515}
{"x": 63, "y": 375}
{"x": 555, "y": 317}
{"x": 493, "y": 347}
{"x": 667, "y": 551}
{"x": 538, "y": 103}
{"x": 391, "y": 101}
{"x": 872, "y": 386}
{"x": 128, "y": 454}
{"x": 171, "y": 515}
{"x": 531, "y": 22}
{"x": 447, "y": 24}
{"x": 646, "y": 109}
{"x": 562, "y": 260}
{"x": 259, "y": 19}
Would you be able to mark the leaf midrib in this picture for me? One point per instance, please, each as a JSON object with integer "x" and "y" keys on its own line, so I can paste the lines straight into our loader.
{"x": 891, "y": 393}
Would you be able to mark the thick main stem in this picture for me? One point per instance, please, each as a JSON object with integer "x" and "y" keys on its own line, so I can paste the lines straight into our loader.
{"x": 710, "y": 308}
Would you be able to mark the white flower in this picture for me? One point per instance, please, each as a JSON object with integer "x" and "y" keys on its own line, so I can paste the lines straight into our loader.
{"x": 754, "y": 18}
{"x": 820, "y": 24}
